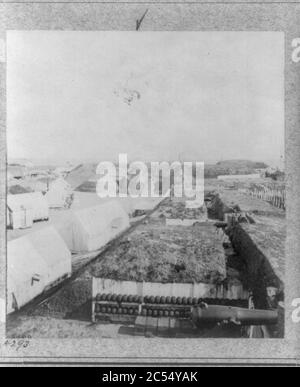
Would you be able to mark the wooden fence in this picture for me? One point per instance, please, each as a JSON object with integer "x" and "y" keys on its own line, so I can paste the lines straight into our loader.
{"x": 275, "y": 196}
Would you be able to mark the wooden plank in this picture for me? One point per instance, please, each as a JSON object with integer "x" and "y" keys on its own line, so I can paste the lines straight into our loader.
{"x": 151, "y": 326}
{"x": 172, "y": 327}
{"x": 163, "y": 326}
{"x": 140, "y": 326}
{"x": 106, "y": 286}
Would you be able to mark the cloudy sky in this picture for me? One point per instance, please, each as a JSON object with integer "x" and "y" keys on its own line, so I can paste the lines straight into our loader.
{"x": 153, "y": 95}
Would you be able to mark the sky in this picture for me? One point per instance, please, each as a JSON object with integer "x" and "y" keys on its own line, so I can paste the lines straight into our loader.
{"x": 202, "y": 96}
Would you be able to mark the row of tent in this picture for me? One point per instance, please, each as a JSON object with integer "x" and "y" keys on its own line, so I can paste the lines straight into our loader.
{"x": 25, "y": 208}
{"x": 41, "y": 259}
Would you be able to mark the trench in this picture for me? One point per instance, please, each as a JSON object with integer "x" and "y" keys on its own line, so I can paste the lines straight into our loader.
{"x": 255, "y": 268}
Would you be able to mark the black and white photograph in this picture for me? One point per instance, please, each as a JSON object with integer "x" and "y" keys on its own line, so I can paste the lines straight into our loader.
{"x": 149, "y": 186}
{"x": 145, "y": 184}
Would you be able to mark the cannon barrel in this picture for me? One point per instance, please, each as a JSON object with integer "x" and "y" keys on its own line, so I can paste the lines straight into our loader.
{"x": 210, "y": 314}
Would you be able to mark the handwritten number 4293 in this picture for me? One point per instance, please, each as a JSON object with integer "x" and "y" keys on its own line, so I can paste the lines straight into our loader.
{"x": 17, "y": 344}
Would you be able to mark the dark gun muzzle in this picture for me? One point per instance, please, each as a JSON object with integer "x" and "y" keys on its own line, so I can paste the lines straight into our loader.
{"x": 213, "y": 314}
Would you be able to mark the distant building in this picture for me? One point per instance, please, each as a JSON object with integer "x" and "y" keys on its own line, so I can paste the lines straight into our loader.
{"x": 38, "y": 185}
{"x": 61, "y": 171}
{"x": 25, "y": 208}
{"x": 59, "y": 194}
{"x": 38, "y": 173}
{"x": 15, "y": 172}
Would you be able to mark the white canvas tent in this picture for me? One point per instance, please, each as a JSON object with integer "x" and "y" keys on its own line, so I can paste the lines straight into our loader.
{"x": 89, "y": 229}
{"x": 35, "y": 262}
{"x": 86, "y": 199}
{"x": 23, "y": 209}
{"x": 91, "y": 199}
{"x": 59, "y": 194}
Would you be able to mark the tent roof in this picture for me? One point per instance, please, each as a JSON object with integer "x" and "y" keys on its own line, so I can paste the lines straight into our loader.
{"x": 42, "y": 253}
{"x": 86, "y": 199}
{"x": 22, "y": 260}
{"x": 49, "y": 244}
{"x": 96, "y": 218}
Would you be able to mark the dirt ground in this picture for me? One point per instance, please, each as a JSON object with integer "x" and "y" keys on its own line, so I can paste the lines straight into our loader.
{"x": 46, "y": 327}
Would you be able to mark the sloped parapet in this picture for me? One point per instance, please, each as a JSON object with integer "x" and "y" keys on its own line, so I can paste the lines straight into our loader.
{"x": 262, "y": 247}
